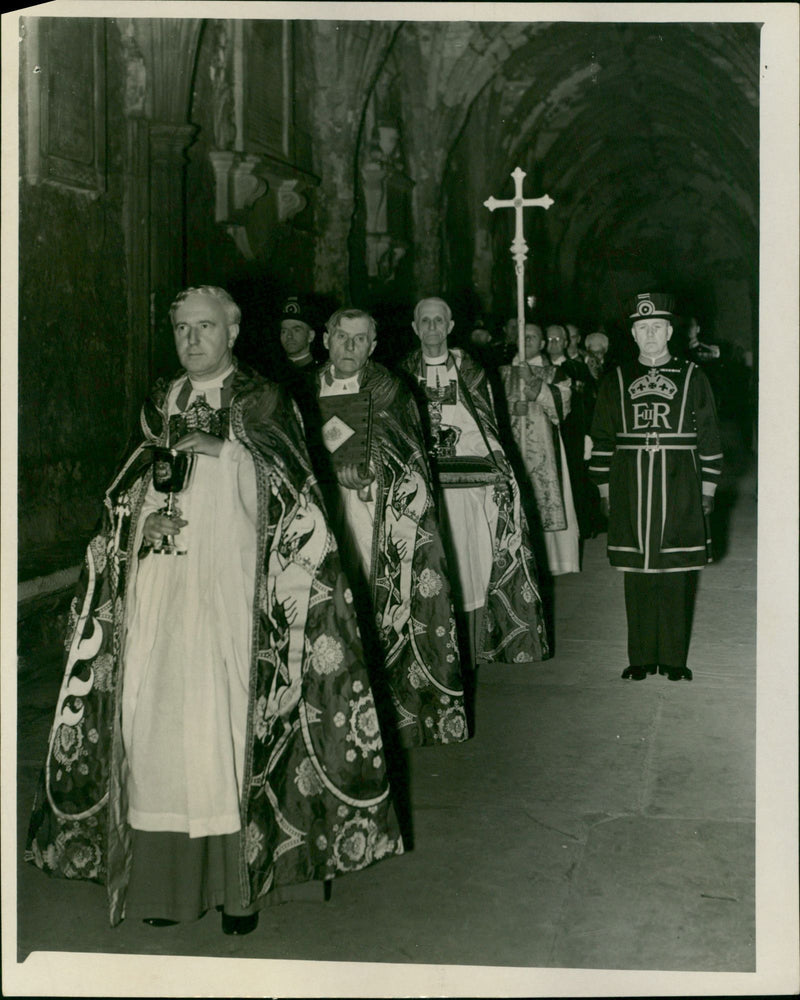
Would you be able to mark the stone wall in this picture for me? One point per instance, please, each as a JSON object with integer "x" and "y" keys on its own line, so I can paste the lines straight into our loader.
{"x": 73, "y": 340}
{"x": 261, "y": 259}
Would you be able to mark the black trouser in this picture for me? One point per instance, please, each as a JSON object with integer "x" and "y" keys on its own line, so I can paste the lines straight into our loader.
{"x": 659, "y": 608}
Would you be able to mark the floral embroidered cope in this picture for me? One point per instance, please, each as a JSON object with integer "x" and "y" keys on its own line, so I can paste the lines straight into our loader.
{"x": 312, "y": 807}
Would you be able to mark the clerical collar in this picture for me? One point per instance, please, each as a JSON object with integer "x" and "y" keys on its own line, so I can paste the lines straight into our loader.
{"x": 662, "y": 359}
{"x": 300, "y": 358}
{"x": 201, "y": 385}
{"x": 440, "y": 372}
{"x": 350, "y": 383}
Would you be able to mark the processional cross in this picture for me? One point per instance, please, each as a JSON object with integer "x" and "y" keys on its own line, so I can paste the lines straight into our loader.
{"x": 519, "y": 251}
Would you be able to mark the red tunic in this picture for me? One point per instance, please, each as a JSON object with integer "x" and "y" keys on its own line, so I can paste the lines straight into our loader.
{"x": 656, "y": 444}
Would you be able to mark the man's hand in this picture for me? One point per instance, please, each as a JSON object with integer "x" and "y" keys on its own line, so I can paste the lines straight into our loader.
{"x": 200, "y": 443}
{"x": 351, "y": 478}
{"x": 524, "y": 383}
{"x": 605, "y": 506}
{"x": 708, "y": 504}
{"x": 156, "y": 526}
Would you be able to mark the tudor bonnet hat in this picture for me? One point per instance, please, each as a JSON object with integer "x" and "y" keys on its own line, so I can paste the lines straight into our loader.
{"x": 651, "y": 305}
{"x": 296, "y": 308}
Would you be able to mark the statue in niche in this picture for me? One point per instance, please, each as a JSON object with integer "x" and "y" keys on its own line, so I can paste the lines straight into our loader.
{"x": 222, "y": 88}
{"x": 386, "y": 191}
{"x": 135, "y": 69}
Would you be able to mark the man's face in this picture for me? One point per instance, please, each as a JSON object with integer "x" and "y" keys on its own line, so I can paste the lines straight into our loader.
{"x": 598, "y": 352}
{"x": 574, "y": 335}
{"x": 556, "y": 341}
{"x": 295, "y": 337}
{"x": 203, "y": 336}
{"x": 349, "y": 346}
{"x": 533, "y": 340}
{"x": 432, "y": 327}
{"x": 511, "y": 331}
{"x": 651, "y": 336}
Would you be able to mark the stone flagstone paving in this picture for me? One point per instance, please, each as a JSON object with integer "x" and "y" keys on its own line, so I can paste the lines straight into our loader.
{"x": 590, "y": 822}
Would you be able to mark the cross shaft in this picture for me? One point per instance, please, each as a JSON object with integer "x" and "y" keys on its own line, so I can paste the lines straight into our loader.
{"x": 519, "y": 251}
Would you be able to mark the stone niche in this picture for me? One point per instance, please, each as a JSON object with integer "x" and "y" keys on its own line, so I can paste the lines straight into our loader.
{"x": 261, "y": 152}
{"x": 386, "y": 188}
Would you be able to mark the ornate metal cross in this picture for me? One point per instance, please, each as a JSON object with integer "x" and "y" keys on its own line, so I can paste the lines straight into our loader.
{"x": 519, "y": 251}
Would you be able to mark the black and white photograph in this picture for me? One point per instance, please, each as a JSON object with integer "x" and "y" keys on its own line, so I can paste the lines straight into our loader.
{"x": 400, "y": 499}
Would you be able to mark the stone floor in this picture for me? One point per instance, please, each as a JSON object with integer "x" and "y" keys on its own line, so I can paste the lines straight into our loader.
{"x": 590, "y": 823}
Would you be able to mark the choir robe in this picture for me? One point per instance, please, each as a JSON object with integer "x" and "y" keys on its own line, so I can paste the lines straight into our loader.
{"x": 394, "y": 536}
{"x": 513, "y": 626}
{"x": 544, "y": 457}
{"x": 314, "y": 800}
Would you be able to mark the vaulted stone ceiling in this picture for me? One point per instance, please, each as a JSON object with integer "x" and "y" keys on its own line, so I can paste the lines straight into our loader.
{"x": 646, "y": 136}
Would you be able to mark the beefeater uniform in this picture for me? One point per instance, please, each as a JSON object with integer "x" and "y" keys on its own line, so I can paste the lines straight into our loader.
{"x": 656, "y": 450}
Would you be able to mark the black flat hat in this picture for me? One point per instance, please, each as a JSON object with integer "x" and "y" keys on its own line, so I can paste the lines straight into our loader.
{"x": 296, "y": 308}
{"x": 651, "y": 305}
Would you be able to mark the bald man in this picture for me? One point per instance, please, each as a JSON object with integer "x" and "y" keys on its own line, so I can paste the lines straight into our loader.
{"x": 497, "y": 588}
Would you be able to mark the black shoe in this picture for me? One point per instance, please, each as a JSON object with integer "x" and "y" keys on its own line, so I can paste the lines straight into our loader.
{"x": 239, "y": 925}
{"x": 637, "y": 673}
{"x": 158, "y": 922}
{"x": 678, "y": 673}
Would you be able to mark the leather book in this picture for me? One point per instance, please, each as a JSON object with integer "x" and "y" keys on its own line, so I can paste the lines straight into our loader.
{"x": 347, "y": 428}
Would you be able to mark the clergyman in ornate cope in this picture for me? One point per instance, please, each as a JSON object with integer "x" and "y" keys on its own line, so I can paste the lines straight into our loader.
{"x": 372, "y": 428}
{"x": 547, "y": 395}
{"x": 216, "y": 735}
{"x": 497, "y": 587}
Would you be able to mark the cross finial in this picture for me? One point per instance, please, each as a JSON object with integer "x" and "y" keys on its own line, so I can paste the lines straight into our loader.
{"x": 519, "y": 251}
{"x": 519, "y": 248}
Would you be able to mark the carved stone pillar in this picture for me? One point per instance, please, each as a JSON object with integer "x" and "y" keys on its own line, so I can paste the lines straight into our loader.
{"x": 158, "y": 58}
{"x": 427, "y": 237}
{"x": 137, "y": 251}
{"x": 168, "y": 144}
{"x": 338, "y": 100}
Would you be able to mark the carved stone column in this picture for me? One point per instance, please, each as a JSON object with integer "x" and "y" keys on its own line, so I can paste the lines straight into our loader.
{"x": 427, "y": 235}
{"x": 137, "y": 251}
{"x": 158, "y": 57}
{"x": 337, "y": 111}
{"x": 168, "y": 145}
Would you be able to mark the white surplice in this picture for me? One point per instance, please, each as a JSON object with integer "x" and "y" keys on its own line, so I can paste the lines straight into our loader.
{"x": 472, "y": 511}
{"x": 187, "y": 651}
{"x": 562, "y": 546}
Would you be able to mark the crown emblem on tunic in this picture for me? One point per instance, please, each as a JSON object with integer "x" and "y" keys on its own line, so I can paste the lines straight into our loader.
{"x": 654, "y": 383}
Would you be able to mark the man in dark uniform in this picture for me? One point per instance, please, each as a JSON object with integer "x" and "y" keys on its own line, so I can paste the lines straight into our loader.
{"x": 656, "y": 459}
{"x": 297, "y": 333}
{"x": 298, "y": 368}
